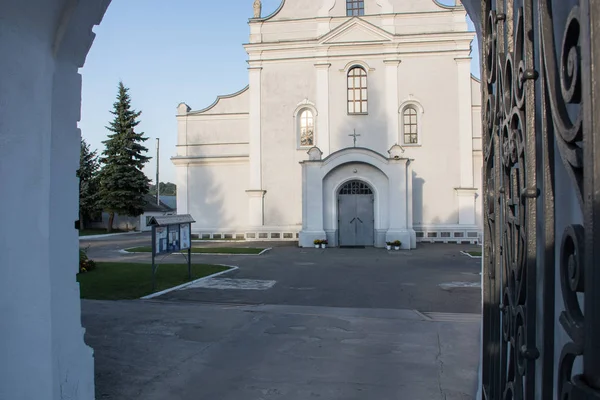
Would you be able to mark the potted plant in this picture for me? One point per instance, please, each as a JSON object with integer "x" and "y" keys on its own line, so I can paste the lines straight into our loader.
{"x": 397, "y": 244}
{"x": 388, "y": 245}
{"x": 317, "y": 243}
{"x": 324, "y": 243}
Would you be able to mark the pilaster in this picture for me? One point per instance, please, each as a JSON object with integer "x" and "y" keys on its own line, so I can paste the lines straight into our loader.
{"x": 323, "y": 135}
{"x": 256, "y": 207}
{"x": 391, "y": 101}
{"x": 255, "y": 192}
{"x": 465, "y": 121}
{"x": 312, "y": 203}
{"x": 399, "y": 203}
{"x": 409, "y": 205}
{"x": 466, "y": 205}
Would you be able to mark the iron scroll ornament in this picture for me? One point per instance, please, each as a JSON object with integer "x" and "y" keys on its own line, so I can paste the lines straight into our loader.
{"x": 536, "y": 95}
{"x": 511, "y": 200}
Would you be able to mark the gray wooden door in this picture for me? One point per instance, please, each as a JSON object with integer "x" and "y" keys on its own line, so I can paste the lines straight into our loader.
{"x": 347, "y": 219}
{"x": 365, "y": 229}
{"x": 356, "y": 215}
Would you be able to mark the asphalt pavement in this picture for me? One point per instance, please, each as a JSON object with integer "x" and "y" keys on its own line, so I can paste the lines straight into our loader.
{"x": 295, "y": 324}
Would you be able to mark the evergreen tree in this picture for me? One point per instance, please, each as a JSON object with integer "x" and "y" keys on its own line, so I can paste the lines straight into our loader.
{"x": 123, "y": 185}
{"x": 88, "y": 184}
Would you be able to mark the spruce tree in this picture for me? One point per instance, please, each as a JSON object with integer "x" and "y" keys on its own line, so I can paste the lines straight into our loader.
{"x": 88, "y": 184}
{"x": 123, "y": 185}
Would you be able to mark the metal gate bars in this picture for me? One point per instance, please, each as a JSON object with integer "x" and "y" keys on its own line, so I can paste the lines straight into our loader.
{"x": 541, "y": 88}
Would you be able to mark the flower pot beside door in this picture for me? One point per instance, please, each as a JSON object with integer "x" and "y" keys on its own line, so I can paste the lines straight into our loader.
{"x": 397, "y": 245}
{"x": 317, "y": 243}
{"x": 388, "y": 245}
{"x": 324, "y": 243}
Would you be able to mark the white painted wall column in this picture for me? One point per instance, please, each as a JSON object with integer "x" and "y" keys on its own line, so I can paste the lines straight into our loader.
{"x": 323, "y": 135}
{"x": 43, "y": 355}
{"x": 182, "y": 173}
{"x": 255, "y": 192}
{"x": 398, "y": 202}
{"x": 312, "y": 203}
{"x": 466, "y": 196}
{"x": 466, "y": 206}
{"x": 409, "y": 204}
{"x": 391, "y": 101}
{"x": 465, "y": 121}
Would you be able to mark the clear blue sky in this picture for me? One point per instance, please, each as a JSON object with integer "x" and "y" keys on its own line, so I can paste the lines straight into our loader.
{"x": 167, "y": 52}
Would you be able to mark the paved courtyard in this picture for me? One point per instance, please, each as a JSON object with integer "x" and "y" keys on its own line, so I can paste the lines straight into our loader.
{"x": 296, "y": 324}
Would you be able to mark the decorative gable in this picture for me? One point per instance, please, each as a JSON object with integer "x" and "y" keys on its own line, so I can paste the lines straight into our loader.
{"x": 356, "y": 31}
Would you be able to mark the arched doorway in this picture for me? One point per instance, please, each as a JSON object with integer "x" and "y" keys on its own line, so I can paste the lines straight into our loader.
{"x": 356, "y": 215}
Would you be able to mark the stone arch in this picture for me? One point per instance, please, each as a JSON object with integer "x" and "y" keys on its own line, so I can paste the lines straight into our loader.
{"x": 47, "y": 42}
{"x": 368, "y": 173}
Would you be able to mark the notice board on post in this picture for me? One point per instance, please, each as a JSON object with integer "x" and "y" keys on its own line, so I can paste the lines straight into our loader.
{"x": 171, "y": 234}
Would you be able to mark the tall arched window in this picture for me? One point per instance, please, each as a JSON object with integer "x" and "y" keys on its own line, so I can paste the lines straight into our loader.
{"x": 307, "y": 128}
{"x": 355, "y": 8}
{"x": 357, "y": 91}
{"x": 410, "y": 125}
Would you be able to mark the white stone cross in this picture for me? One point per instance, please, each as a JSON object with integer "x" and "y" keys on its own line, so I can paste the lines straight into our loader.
{"x": 354, "y": 135}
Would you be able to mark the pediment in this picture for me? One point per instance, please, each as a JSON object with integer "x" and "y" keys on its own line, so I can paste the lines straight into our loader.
{"x": 356, "y": 31}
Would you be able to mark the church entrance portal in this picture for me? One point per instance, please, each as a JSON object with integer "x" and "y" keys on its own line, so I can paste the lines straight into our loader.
{"x": 356, "y": 215}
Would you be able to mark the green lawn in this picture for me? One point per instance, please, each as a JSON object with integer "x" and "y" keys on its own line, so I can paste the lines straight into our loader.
{"x": 206, "y": 250}
{"x": 125, "y": 281}
{"x": 474, "y": 253}
{"x": 90, "y": 232}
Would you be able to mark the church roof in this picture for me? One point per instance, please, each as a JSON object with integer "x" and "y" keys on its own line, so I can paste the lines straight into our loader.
{"x": 219, "y": 98}
{"x": 282, "y": 5}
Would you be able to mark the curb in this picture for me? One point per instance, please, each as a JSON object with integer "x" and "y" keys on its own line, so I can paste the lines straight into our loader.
{"x": 265, "y": 251}
{"x": 183, "y": 286}
{"x": 124, "y": 251}
{"x": 468, "y": 255}
{"x": 219, "y": 240}
{"x": 107, "y": 235}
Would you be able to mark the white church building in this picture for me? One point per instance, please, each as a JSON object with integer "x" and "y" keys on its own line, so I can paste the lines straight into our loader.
{"x": 360, "y": 125}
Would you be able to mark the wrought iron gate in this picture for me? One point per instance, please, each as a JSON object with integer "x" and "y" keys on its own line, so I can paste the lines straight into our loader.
{"x": 541, "y": 91}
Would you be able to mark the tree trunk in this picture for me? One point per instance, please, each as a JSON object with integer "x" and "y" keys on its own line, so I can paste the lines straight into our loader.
{"x": 111, "y": 219}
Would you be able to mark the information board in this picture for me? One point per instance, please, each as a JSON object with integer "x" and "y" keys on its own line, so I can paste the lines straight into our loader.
{"x": 186, "y": 243}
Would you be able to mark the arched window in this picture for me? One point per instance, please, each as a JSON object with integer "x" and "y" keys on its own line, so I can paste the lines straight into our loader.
{"x": 410, "y": 125}
{"x": 307, "y": 128}
{"x": 355, "y": 187}
{"x": 357, "y": 91}
{"x": 355, "y": 8}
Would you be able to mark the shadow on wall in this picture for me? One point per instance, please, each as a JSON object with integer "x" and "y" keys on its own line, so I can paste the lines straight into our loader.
{"x": 206, "y": 199}
{"x": 417, "y": 184}
{"x": 420, "y": 207}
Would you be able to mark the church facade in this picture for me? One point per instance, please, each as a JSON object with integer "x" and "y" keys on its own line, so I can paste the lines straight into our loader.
{"x": 360, "y": 125}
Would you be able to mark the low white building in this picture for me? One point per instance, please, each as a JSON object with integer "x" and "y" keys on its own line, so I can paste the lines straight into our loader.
{"x": 360, "y": 124}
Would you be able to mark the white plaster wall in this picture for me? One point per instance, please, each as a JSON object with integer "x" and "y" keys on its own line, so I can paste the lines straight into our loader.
{"x": 371, "y": 127}
{"x": 203, "y": 130}
{"x": 42, "y": 352}
{"x": 412, "y": 6}
{"x": 216, "y": 195}
{"x": 284, "y": 86}
{"x": 296, "y": 20}
{"x": 432, "y": 81}
{"x": 478, "y": 181}
{"x": 219, "y": 130}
